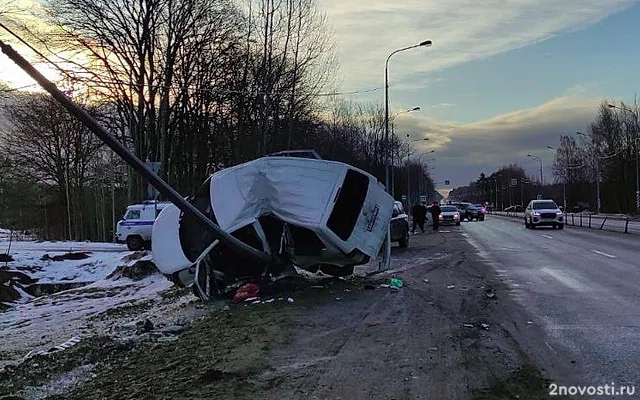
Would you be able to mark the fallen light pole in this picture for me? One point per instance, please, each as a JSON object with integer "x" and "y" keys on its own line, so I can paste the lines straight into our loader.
{"x": 162, "y": 186}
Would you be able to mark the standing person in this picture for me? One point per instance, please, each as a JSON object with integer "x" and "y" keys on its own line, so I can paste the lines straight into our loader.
{"x": 419, "y": 213}
{"x": 435, "y": 214}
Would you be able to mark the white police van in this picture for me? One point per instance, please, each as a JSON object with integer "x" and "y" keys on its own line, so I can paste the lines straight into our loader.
{"x": 136, "y": 225}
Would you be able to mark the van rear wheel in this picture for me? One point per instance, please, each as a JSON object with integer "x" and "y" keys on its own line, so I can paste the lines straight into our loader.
{"x": 135, "y": 243}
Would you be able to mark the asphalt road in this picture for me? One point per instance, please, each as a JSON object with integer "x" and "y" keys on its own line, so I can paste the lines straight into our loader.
{"x": 581, "y": 285}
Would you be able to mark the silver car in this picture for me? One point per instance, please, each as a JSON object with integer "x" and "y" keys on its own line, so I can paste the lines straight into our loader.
{"x": 449, "y": 215}
{"x": 543, "y": 213}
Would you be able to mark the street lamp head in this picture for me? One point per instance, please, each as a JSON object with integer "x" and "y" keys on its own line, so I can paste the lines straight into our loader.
{"x": 425, "y": 43}
{"x": 550, "y": 148}
{"x": 431, "y": 150}
{"x": 611, "y": 106}
{"x": 415, "y": 109}
{"x": 580, "y": 133}
{"x": 529, "y": 155}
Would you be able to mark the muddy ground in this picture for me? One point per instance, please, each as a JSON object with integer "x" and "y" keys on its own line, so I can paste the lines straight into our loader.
{"x": 452, "y": 332}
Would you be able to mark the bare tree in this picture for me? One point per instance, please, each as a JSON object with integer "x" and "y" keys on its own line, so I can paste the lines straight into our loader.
{"x": 52, "y": 146}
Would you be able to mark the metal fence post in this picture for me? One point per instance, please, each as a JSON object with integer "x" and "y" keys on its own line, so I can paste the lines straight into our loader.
{"x": 580, "y": 219}
{"x": 626, "y": 225}
{"x": 589, "y": 220}
{"x": 605, "y": 220}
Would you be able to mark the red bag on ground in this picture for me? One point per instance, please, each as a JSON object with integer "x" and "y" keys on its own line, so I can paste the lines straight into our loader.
{"x": 246, "y": 291}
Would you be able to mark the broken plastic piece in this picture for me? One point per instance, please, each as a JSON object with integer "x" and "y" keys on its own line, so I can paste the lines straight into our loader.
{"x": 396, "y": 283}
{"x": 451, "y": 287}
{"x": 467, "y": 325}
{"x": 290, "y": 300}
{"x": 484, "y": 326}
{"x": 246, "y": 292}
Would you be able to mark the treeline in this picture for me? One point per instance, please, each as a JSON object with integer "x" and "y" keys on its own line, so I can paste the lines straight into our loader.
{"x": 609, "y": 148}
{"x": 195, "y": 86}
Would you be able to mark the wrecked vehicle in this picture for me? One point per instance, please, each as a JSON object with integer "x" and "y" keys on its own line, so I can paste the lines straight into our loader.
{"x": 310, "y": 213}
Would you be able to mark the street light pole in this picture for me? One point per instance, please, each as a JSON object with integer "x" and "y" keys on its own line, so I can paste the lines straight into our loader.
{"x": 598, "y": 201}
{"x": 541, "y": 176}
{"x": 426, "y": 43}
{"x": 636, "y": 140}
{"x": 409, "y": 169}
{"x": 564, "y": 187}
{"x": 393, "y": 169}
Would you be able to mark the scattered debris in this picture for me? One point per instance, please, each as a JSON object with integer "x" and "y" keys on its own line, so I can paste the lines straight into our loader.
{"x": 384, "y": 285}
{"x": 6, "y": 258}
{"x": 451, "y": 287}
{"x": 396, "y": 282}
{"x": 491, "y": 295}
{"x": 69, "y": 343}
{"x": 67, "y": 256}
{"x": 290, "y": 300}
{"x": 433, "y": 348}
{"x": 269, "y": 301}
{"x": 529, "y": 322}
{"x": 467, "y": 325}
{"x": 245, "y": 292}
{"x": 484, "y": 326}
{"x": 425, "y": 280}
{"x": 338, "y": 298}
{"x": 144, "y": 326}
{"x": 256, "y": 302}
{"x": 250, "y": 299}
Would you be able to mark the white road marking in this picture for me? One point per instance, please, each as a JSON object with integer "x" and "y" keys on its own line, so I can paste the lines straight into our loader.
{"x": 547, "y": 236}
{"x": 445, "y": 231}
{"x": 549, "y": 346}
{"x": 603, "y": 254}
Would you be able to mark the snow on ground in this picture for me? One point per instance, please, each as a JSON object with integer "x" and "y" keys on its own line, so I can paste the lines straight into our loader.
{"x": 40, "y": 323}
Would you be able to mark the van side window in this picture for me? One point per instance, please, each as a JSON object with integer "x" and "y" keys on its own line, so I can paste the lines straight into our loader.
{"x": 133, "y": 214}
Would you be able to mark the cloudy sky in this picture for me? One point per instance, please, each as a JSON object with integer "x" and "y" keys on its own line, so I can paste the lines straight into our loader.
{"x": 503, "y": 78}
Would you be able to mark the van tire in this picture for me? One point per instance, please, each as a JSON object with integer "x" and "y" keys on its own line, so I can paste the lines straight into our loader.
{"x": 135, "y": 242}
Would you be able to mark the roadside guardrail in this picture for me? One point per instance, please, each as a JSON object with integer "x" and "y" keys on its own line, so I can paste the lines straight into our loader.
{"x": 606, "y": 222}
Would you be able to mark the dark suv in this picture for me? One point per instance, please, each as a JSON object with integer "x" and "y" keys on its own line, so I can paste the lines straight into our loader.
{"x": 467, "y": 211}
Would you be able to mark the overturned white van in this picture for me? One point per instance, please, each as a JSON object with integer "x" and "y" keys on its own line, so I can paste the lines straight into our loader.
{"x": 312, "y": 214}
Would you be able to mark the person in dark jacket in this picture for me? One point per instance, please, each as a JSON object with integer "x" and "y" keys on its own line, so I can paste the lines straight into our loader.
{"x": 435, "y": 214}
{"x": 419, "y": 212}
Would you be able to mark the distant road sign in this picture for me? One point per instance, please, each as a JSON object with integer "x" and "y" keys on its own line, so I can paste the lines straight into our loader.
{"x": 447, "y": 182}
{"x": 423, "y": 198}
{"x": 539, "y": 197}
{"x": 514, "y": 182}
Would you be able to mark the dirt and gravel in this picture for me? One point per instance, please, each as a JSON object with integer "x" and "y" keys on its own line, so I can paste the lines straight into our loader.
{"x": 451, "y": 332}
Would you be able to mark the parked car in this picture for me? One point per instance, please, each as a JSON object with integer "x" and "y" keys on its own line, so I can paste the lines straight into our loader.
{"x": 449, "y": 215}
{"x": 136, "y": 224}
{"x": 516, "y": 208}
{"x": 467, "y": 210}
{"x": 482, "y": 211}
{"x": 399, "y": 225}
{"x": 543, "y": 213}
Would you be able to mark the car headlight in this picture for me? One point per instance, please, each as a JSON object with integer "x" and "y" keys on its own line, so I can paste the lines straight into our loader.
{"x": 559, "y": 213}
{"x": 440, "y": 216}
{"x": 536, "y": 213}
{"x": 456, "y": 216}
